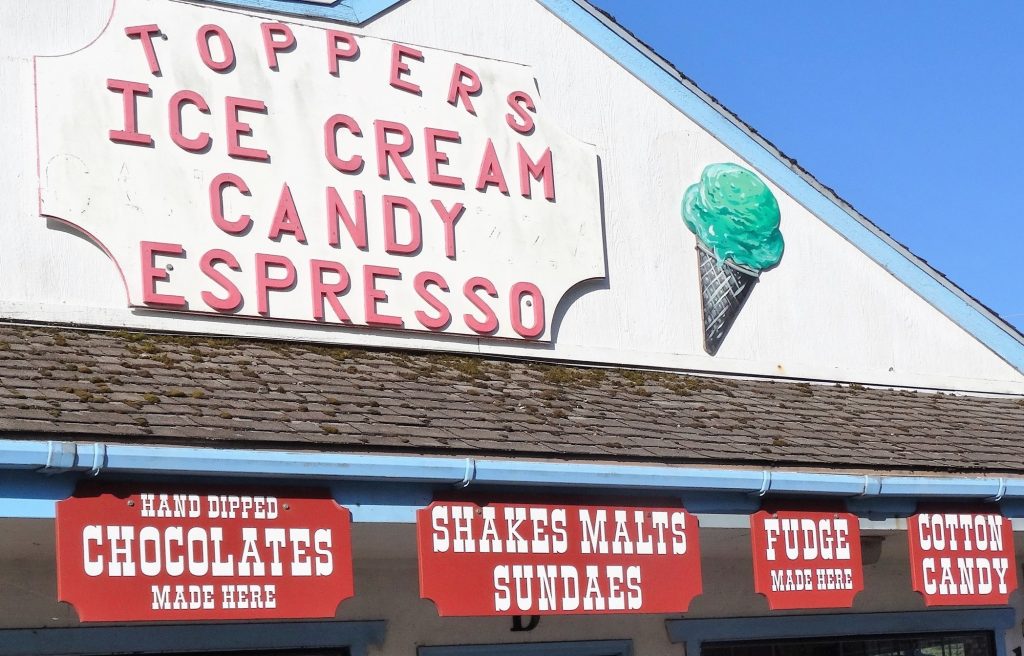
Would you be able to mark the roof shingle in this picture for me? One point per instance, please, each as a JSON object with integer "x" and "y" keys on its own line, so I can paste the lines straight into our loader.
{"x": 140, "y": 387}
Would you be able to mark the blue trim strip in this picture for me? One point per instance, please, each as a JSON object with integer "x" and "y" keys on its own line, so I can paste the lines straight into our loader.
{"x": 394, "y": 503}
{"x": 912, "y": 486}
{"x": 177, "y": 461}
{"x": 696, "y": 632}
{"x": 1014, "y": 488}
{"x": 27, "y": 495}
{"x": 183, "y": 639}
{"x": 898, "y": 264}
{"x": 589, "y": 648}
{"x": 39, "y": 477}
{"x": 344, "y": 11}
{"x": 506, "y": 472}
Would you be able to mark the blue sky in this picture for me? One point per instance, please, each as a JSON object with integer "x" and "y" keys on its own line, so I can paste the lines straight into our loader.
{"x": 913, "y": 111}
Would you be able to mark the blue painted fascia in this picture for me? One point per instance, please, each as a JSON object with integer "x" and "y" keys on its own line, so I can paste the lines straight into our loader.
{"x": 548, "y": 474}
{"x": 965, "y": 488}
{"x": 29, "y": 495}
{"x": 36, "y": 474}
{"x": 220, "y": 463}
{"x": 126, "y": 459}
{"x": 353, "y": 12}
{"x": 1014, "y": 488}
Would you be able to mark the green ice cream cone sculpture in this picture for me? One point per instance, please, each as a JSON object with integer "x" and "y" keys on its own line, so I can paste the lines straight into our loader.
{"x": 725, "y": 288}
{"x": 735, "y": 217}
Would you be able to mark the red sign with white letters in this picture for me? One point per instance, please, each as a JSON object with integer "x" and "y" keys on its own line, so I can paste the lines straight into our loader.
{"x": 134, "y": 553}
{"x": 557, "y": 559}
{"x": 806, "y": 559}
{"x": 963, "y": 558}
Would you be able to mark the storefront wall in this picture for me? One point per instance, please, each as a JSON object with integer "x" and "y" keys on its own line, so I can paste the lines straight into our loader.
{"x": 386, "y": 588}
{"x": 845, "y": 305}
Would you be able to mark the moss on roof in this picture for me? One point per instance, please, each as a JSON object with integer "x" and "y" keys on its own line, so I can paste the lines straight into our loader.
{"x": 159, "y": 388}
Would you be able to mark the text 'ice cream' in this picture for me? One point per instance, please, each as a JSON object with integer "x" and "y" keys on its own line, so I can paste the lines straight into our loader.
{"x": 736, "y": 220}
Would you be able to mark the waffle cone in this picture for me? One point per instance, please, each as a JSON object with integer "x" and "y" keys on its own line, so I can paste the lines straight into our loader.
{"x": 724, "y": 290}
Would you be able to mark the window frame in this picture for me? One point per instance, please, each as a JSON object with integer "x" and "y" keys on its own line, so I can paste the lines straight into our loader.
{"x": 902, "y": 643}
{"x": 694, "y": 633}
{"x": 181, "y": 639}
{"x": 567, "y": 648}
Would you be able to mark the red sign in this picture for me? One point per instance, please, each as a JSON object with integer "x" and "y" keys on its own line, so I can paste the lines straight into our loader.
{"x": 806, "y": 559}
{"x": 158, "y": 554}
{"x": 962, "y": 558}
{"x": 567, "y": 559}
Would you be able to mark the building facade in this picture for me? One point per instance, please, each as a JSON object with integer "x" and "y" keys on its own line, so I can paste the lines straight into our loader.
{"x": 456, "y": 327}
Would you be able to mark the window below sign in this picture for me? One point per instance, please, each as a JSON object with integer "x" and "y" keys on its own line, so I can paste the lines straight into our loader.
{"x": 979, "y": 643}
{"x": 340, "y": 651}
{"x": 589, "y": 648}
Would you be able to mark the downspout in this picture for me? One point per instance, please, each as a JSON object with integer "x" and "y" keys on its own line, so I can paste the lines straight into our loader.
{"x": 470, "y": 474}
{"x": 1001, "y": 493}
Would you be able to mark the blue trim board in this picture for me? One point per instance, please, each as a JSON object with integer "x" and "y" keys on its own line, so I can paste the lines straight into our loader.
{"x": 192, "y": 638}
{"x": 696, "y": 632}
{"x": 29, "y": 495}
{"x": 353, "y": 12}
{"x": 588, "y": 648}
{"x": 905, "y": 268}
{"x": 383, "y": 488}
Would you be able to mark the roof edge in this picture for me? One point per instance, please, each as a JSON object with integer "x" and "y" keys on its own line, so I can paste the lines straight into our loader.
{"x": 47, "y": 456}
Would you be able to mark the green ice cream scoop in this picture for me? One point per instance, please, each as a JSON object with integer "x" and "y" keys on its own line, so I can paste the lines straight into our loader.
{"x": 736, "y": 216}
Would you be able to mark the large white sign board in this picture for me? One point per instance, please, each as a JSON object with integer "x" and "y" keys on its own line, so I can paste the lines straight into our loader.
{"x": 260, "y": 169}
{"x": 642, "y": 190}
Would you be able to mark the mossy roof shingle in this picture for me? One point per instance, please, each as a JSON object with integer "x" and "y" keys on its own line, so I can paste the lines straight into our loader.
{"x": 148, "y": 388}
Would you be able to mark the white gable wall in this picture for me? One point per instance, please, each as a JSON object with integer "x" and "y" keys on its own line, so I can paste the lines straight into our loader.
{"x": 826, "y": 312}
{"x": 826, "y": 308}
